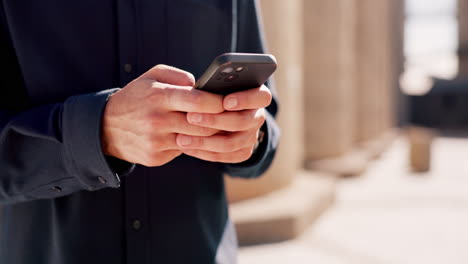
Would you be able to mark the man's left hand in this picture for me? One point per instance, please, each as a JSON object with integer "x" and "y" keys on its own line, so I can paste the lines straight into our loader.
{"x": 240, "y": 123}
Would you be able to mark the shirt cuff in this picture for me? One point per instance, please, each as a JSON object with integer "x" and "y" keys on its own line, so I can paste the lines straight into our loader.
{"x": 81, "y": 122}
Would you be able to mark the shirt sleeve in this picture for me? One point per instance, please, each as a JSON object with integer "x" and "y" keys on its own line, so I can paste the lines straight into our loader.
{"x": 250, "y": 39}
{"x": 51, "y": 150}
{"x": 54, "y": 150}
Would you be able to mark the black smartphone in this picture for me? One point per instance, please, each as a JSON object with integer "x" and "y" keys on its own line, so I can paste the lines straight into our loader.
{"x": 233, "y": 72}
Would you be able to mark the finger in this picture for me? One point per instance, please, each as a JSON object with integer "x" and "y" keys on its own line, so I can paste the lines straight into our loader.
{"x": 179, "y": 124}
{"x": 229, "y": 121}
{"x": 157, "y": 124}
{"x": 152, "y": 144}
{"x": 232, "y": 157}
{"x": 170, "y": 75}
{"x": 219, "y": 143}
{"x": 188, "y": 99}
{"x": 250, "y": 99}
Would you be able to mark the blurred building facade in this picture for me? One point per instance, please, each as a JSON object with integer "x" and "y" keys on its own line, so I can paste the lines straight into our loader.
{"x": 339, "y": 66}
{"x": 442, "y": 103}
{"x": 463, "y": 37}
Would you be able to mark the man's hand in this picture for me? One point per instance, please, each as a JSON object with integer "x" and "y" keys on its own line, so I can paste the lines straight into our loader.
{"x": 142, "y": 120}
{"x": 244, "y": 116}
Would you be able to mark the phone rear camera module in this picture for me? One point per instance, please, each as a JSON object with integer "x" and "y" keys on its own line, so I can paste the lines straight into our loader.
{"x": 239, "y": 69}
{"x": 231, "y": 78}
{"x": 227, "y": 70}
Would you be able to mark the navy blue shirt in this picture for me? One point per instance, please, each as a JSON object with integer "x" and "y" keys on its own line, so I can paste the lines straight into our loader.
{"x": 62, "y": 200}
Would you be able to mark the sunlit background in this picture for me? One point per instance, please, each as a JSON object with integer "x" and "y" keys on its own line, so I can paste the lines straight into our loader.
{"x": 431, "y": 42}
{"x": 373, "y": 164}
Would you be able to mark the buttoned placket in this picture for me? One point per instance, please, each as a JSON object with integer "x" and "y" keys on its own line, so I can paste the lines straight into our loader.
{"x": 136, "y": 197}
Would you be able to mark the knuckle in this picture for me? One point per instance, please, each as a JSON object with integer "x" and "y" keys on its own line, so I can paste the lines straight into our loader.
{"x": 194, "y": 98}
{"x": 155, "y": 69}
{"x": 159, "y": 67}
{"x": 167, "y": 95}
{"x": 182, "y": 77}
{"x": 157, "y": 94}
{"x": 188, "y": 78}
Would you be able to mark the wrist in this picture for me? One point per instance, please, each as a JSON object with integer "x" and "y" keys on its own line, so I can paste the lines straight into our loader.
{"x": 106, "y": 131}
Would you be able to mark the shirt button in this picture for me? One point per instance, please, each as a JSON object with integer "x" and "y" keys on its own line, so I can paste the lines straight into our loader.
{"x": 128, "y": 68}
{"x": 56, "y": 189}
{"x": 136, "y": 225}
{"x": 102, "y": 180}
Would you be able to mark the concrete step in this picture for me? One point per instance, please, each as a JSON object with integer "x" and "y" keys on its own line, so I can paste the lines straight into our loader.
{"x": 355, "y": 162}
{"x": 283, "y": 214}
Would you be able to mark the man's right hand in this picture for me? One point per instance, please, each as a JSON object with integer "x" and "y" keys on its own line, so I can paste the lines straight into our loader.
{"x": 142, "y": 120}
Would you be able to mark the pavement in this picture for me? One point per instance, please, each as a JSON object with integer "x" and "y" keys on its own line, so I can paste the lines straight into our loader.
{"x": 389, "y": 215}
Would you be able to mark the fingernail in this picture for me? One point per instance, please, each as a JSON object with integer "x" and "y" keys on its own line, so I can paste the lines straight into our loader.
{"x": 195, "y": 118}
{"x": 184, "y": 140}
{"x": 231, "y": 102}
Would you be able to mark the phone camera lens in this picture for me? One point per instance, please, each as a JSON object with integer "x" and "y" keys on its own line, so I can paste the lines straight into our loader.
{"x": 231, "y": 78}
{"x": 227, "y": 70}
{"x": 239, "y": 69}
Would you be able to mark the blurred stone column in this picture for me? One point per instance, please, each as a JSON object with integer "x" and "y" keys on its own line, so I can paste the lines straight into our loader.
{"x": 281, "y": 204}
{"x": 379, "y": 63}
{"x": 391, "y": 43}
{"x": 387, "y": 73}
{"x": 329, "y": 77}
{"x": 330, "y": 87}
{"x": 400, "y": 111}
{"x": 283, "y": 26}
{"x": 370, "y": 51}
{"x": 463, "y": 37}
{"x": 395, "y": 26}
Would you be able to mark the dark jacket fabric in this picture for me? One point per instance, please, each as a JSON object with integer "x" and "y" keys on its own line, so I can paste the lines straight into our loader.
{"x": 63, "y": 201}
